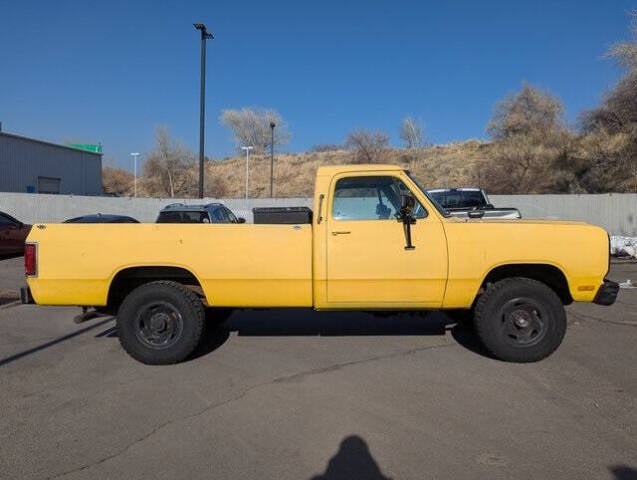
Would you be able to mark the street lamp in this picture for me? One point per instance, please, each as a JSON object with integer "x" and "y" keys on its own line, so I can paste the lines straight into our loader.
{"x": 272, "y": 125}
{"x": 205, "y": 35}
{"x": 135, "y": 155}
{"x": 247, "y": 149}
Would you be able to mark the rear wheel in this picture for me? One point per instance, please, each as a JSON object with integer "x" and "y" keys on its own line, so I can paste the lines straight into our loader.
{"x": 160, "y": 323}
{"x": 520, "y": 320}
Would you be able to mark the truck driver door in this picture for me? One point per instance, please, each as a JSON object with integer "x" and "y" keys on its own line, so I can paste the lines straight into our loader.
{"x": 367, "y": 262}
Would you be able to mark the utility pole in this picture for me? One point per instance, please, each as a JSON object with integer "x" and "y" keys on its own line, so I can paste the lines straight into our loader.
{"x": 272, "y": 125}
{"x": 247, "y": 149}
{"x": 205, "y": 35}
{"x": 135, "y": 155}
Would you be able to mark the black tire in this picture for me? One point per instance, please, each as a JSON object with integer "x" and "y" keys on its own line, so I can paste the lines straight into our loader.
{"x": 160, "y": 323}
{"x": 520, "y": 320}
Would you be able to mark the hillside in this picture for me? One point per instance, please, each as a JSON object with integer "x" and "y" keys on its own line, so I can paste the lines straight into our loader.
{"x": 453, "y": 164}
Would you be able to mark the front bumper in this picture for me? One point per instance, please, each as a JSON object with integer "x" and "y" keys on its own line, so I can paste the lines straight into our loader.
{"x": 607, "y": 293}
{"x": 25, "y": 296}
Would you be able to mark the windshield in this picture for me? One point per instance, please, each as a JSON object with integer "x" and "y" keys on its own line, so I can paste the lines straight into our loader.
{"x": 435, "y": 203}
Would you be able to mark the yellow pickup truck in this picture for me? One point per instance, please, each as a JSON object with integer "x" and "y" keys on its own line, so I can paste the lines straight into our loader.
{"x": 375, "y": 241}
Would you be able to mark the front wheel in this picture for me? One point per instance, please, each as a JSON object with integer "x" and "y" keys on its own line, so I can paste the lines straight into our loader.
{"x": 520, "y": 320}
{"x": 160, "y": 323}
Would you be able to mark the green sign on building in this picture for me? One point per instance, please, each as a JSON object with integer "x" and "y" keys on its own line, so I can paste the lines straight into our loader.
{"x": 89, "y": 147}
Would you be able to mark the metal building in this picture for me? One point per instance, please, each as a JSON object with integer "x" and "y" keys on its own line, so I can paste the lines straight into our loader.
{"x": 33, "y": 166}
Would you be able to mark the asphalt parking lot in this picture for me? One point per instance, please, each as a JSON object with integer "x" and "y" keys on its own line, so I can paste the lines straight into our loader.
{"x": 303, "y": 395}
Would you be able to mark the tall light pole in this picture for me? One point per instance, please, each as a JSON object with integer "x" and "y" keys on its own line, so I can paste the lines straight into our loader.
{"x": 247, "y": 149}
{"x": 272, "y": 125}
{"x": 205, "y": 35}
{"x": 135, "y": 155}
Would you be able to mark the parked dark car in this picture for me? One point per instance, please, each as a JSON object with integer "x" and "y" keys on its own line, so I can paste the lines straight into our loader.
{"x": 12, "y": 234}
{"x": 209, "y": 213}
{"x": 102, "y": 218}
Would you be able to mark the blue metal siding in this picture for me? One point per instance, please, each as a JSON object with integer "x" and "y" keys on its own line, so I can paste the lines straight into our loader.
{"x": 23, "y": 160}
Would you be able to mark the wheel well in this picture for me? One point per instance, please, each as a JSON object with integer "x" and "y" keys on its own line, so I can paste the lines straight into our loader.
{"x": 129, "y": 279}
{"x": 550, "y": 275}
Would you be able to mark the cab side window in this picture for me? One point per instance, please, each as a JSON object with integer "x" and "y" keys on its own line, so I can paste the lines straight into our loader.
{"x": 370, "y": 198}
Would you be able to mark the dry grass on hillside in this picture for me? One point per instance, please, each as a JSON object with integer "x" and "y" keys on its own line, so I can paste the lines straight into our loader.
{"x": 453, "y": 165}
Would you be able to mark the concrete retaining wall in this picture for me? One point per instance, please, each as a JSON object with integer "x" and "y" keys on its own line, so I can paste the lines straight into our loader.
{"x": 33, "y": 208}
{"x": 617, "y": 213}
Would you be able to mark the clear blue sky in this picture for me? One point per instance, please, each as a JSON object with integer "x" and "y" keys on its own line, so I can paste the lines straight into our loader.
{"x": 110, "y": 71}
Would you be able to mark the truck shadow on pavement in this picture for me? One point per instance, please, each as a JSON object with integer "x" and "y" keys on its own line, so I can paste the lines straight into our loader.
{"x": 302, "y": 323}
{"x": 8, "y": 256}
{"x": 306, "y": 323}
{"x": 310, "y": 323}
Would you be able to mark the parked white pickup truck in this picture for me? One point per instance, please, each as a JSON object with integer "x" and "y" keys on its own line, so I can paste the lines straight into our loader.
{"x": 471, "y": 202}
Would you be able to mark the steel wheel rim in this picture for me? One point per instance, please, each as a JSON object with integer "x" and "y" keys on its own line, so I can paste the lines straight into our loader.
{"x": 159, "y": 325}
{"x": 523, "y": 322}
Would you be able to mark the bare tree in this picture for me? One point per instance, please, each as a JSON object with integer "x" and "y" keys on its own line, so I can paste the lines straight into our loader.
{"x": 251, "y": 127}
{"x": 368, "y": 147}
{"x": 520, "y": 164}
{"x": 609, "y": 146}
{"x": 411, "y": 133}
{"x": 626, "y": 52}
{"x": 530, "y": 112}
{"x": 169, "y": 168}
{"x": 531, "y": 142}
{"x": 117, "y": 180}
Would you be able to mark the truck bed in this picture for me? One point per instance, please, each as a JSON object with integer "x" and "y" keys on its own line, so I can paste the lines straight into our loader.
{"x": 239, "y": 265}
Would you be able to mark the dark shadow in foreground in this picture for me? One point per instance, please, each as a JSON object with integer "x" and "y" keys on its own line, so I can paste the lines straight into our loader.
{"x": 30, "y": 351}
{"x": 352, "y": 461}
{"x": 623, "y": 472}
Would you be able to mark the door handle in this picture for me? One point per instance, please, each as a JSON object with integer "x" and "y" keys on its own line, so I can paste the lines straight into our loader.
{"x": 340, "y": 233}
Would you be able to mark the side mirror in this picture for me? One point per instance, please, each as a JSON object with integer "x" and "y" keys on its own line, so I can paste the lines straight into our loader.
{"x": 408, "y": 203}
{"x": 241, "y": 220}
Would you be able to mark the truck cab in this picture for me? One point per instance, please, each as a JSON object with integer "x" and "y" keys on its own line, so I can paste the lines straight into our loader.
{"x": 360, "y": 255}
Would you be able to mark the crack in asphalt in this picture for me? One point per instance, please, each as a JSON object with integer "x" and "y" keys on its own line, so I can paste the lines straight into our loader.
{"x": 339, "y": 366}
{"x": 278, "y": 380}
